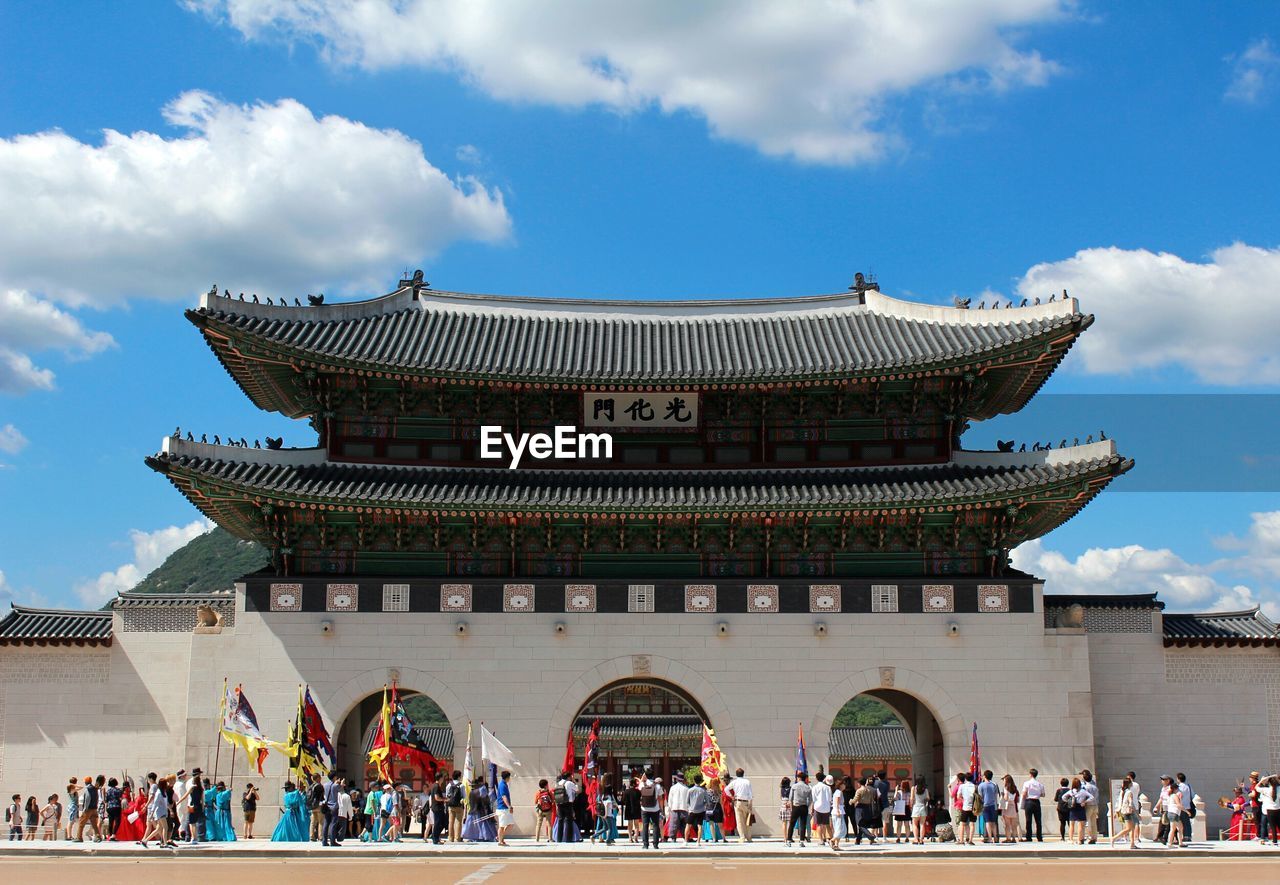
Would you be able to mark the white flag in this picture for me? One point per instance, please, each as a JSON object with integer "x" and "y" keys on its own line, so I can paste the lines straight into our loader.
{"x": 495, "y": 750}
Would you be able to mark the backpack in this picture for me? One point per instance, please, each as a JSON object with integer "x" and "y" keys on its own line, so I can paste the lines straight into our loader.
{"x": 649, "y": 794}
{"x": 1069, "y": 799}
{"x": 975, "y": 801}
{"x": 561, "y": 794}
{"x": 545, "y": 802}
{"x": 453, "y": 795}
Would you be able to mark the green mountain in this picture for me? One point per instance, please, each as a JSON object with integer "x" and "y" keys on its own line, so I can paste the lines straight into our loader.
{"x": 210, "y": 562}
{"x": 863, "y": 710}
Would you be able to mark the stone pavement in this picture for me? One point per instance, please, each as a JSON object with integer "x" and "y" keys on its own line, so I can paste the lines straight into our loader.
{"x": 527, "y": 848}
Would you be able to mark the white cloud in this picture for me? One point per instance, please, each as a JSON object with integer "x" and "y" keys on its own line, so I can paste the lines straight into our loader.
{"x": 150, "y": 549}
{"x": 7, "y": 593}
{"x": 264, "y": 197}
{"x": 806, "y": 80}
{"x": 1182, "y": 585}
{"x": 29, "y": 324}
{"x": 1218, "y": 319}
{"x": 1253, "y": 72}
{"x": 12, "y": 439}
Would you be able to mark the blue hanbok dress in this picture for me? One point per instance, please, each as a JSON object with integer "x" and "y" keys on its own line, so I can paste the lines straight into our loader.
{"x": 222, "y": 816}
{"x": 479, "y": 825}
{"x": 293, "y": 819}
{"x": 211, "y": 831}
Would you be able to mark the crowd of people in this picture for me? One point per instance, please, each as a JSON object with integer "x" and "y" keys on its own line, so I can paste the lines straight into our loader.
{"x": 188, "y": 809}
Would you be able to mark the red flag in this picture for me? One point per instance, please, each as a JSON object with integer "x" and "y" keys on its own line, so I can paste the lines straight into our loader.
{"x": 568, "y": 753}
{"x": 591, "y": 765}
{"x": 975, "y": 757}
{"x": 395, "y": 739}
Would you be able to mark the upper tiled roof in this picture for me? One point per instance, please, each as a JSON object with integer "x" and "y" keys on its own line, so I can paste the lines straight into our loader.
{"x": 644, "y": 490}
{"x": 41, "y": 626}
{"x": 565, "y": 341}
{"x": 870, "y": 742}
{"x": 1249, "y": 627}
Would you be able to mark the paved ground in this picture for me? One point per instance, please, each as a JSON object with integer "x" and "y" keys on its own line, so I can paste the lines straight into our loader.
{"x": 1168, "y": 868}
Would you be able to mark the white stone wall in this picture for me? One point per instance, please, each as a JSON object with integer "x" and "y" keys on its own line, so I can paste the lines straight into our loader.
{"x": 1213, "y": 714}
{"x": 1027, "y": 688}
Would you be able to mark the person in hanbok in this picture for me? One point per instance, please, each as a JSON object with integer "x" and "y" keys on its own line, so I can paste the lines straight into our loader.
{"x": 293, "y": 816}
{"x": 222, "y": 814}
{"x": 133, "y": 816}
{"x": 479, "y": 825}
{"x": 1241, "y": 827}
{"x": 209, "y": 802}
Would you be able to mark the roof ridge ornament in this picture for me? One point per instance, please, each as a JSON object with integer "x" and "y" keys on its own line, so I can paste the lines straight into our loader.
{"x": 862, "y": 282}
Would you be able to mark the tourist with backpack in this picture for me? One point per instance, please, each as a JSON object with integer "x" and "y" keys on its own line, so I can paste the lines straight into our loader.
{"x": 544, "y": 804}
{"x": 455, "y": 795}
{"x": 651, "y": 808}
{"x": 564, "y": 794}
{"x": 1075, "y": 800}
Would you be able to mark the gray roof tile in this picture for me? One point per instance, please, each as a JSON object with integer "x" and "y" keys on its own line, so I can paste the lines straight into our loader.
{"x": 632, "y": 489}
{"x": 24, "y": 624}
{"x": 602, "y": 342}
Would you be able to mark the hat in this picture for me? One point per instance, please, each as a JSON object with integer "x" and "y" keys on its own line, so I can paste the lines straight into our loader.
{"x": 1254, "y": 774}
{"x": 181, "y": 772}
{"x": 1165, "y": 777}
{"x": 194, "y": 771}
{"x": 829, "y": 780}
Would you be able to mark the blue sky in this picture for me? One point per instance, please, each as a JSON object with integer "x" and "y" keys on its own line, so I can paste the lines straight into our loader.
{"x": 1125, "y": 152}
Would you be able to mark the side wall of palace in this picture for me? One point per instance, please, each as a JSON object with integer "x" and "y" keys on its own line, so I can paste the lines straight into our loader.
{"x": 1042, "y": 696}
{"x": 1211, "y": 713}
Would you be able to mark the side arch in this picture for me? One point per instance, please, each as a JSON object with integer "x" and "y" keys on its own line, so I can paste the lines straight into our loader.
{"x": 686, "y": 679}
{"x": 346, "y": 698}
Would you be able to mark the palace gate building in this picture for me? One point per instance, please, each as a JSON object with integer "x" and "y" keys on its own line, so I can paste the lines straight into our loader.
{"x": 787, "y": 519}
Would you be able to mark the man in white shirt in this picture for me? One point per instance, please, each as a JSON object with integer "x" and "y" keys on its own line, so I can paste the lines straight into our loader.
{"x": 964, "y": 794}
{"x": 678, "y": 806}
{"x": 344, "y": 812}
{"x": 822, "y": 807}
{"x": 181, "y": 788}
{"x": 740, "y": 790}
{"x": 563, "y": 795}
{"x": 1032, "y": 793}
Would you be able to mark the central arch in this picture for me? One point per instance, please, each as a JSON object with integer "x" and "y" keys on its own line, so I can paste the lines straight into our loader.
{"x": 931, "y": 719}
{"x": 644, "y": 723}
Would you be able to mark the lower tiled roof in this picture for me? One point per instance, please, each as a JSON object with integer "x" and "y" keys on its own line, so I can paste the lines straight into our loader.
{"x": 42, "y": 626}
{"x": 437, "y": 487}
{"x": 1250, "y": 627}
{"x": 870, "y": 742}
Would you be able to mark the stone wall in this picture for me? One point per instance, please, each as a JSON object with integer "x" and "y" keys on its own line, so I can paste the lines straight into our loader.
{"x": 1028, "y": 688}
{"x": 1213, "y": 714}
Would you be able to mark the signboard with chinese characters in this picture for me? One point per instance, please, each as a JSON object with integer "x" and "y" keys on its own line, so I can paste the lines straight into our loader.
{"x": 661, "y": 411}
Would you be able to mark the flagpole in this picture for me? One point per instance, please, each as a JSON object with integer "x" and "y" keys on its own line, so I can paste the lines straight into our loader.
{"x": 217, "y": 733}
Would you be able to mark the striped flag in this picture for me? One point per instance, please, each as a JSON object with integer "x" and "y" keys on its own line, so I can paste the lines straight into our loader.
{"x": 975, "y": 757}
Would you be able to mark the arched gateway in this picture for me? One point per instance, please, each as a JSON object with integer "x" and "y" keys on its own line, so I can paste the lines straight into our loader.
{"x": 353, "y": 738}
{"x": 643, "y": 722}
